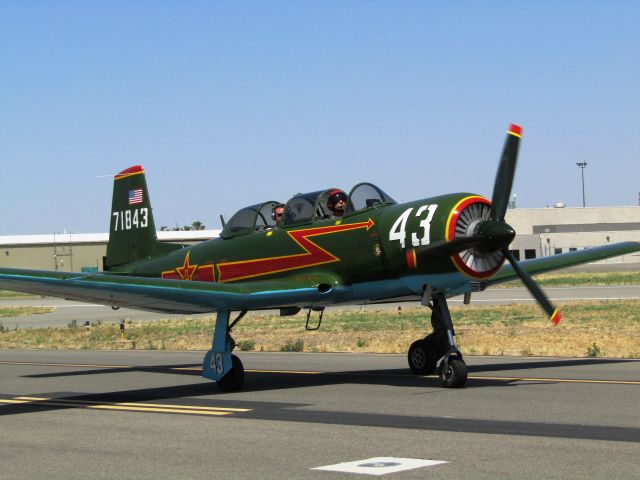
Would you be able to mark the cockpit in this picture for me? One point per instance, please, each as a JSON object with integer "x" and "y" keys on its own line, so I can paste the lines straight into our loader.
{"x": 251, "y": 219}
{"x": 304, "y": 208}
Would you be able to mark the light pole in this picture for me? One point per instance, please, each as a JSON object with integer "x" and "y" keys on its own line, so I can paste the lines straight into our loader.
{"x": 582, "y": 165}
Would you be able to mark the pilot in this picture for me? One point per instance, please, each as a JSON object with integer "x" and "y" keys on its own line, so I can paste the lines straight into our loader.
{"x": 278, "y": 211}
{"x": 337, "y": 203}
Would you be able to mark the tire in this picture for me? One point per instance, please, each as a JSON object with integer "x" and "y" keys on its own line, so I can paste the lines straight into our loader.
{"x": 455, "y": 375}
{"x": 233, "y": 380}
{"x": 422, "y": 359}
{"x": 438, "y": 342}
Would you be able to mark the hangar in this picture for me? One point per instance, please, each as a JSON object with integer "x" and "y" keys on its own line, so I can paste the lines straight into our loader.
{"x": 553, "y": 230}
{"x": 541, "y": 232}
{"x": 75, "y": 252}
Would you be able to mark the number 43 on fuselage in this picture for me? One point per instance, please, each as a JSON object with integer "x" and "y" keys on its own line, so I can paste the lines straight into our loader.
{"x": 376, "y": 251}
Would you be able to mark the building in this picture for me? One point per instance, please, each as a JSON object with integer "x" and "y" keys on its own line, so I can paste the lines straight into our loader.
{"x": 553, "y": 230}
{"x": 75, "y": 252}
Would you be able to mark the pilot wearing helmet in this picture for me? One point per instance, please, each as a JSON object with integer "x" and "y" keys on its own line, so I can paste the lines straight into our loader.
{"x": 337, "y": 203}
{"x": 278, "y": 211}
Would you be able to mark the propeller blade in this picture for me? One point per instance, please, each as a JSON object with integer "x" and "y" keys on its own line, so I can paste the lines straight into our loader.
{"x": 506, "y": 171}
{"x": 444, "y": 248}
{"x": 536, "y": 291}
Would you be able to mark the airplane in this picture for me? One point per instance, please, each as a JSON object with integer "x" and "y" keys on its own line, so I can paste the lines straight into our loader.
{"x": 375, "y": 250}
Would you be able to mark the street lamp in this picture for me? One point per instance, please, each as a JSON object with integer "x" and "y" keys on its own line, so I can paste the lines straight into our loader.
{"x": 582, "y": 165}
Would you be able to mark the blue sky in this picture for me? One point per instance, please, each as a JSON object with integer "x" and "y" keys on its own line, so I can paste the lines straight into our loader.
{"x": 227, "y": 104}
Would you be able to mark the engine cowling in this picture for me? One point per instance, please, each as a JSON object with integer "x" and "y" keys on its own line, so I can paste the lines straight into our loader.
{"x": 444, "y": 234}
{"x": 467, "y": 219}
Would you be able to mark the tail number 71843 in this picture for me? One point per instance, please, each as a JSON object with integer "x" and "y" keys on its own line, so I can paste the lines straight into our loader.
{"x": 399, "y": 229}
{"x": 129, "y": 219}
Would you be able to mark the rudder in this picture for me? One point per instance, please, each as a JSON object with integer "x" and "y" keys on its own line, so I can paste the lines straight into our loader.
{"x": 132, "y": 231}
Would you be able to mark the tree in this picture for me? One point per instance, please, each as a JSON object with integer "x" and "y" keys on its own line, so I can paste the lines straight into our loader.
{"x": 196, "y": 225}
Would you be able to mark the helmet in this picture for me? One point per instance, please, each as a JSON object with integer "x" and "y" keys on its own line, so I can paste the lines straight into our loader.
{"x": 277, "y": 206}
{"x": 334, "y": 196}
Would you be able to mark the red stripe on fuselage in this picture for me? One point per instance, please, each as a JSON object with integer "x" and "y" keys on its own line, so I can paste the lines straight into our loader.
{"x": 412, "y": 263}
{"x": 313, "y": 255}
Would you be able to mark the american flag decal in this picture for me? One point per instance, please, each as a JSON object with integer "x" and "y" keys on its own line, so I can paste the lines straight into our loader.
{"x": 135, "y": 196}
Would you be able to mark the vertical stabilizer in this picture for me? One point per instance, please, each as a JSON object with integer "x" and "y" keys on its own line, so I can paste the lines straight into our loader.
{"x": 132, "y": 234}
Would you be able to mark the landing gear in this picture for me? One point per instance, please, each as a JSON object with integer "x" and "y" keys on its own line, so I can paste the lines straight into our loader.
{"x": 453, "y": 374}
{"x": 424, "y": 354}
{"x": 233, "y": 380}
{"x": 219, "y": 365}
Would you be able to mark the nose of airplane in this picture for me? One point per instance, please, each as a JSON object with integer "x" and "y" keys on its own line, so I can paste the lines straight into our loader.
{"x": 497, "y": 235}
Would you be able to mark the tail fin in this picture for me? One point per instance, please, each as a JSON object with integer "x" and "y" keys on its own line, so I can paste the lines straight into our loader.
{"x": 132, "y": 234}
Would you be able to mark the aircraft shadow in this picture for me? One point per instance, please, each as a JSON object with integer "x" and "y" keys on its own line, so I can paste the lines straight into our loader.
{"x": 193, "y": 369}
{"x": 256, "y": 381}
{"x": 180, "y": 369}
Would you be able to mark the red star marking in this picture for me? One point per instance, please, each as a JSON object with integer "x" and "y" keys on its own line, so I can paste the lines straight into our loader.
{"x": 186, "y": 271}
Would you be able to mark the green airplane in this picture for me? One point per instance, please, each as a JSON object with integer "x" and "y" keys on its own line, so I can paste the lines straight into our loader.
{"x": 327, "y": 248}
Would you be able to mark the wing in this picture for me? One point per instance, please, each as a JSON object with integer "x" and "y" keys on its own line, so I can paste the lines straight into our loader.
{"x": 564, "y": 260}
{"x": 178, "y": 296}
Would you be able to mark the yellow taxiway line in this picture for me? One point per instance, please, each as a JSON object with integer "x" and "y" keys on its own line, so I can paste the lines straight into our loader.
{"x": 557, "y": 380}
{"x": 85, "y": 365}
{"x": 125, "y": 406}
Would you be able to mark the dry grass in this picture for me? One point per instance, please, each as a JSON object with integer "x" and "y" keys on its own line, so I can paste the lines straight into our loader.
{"x": 11, "y": 294}
{"x": 576, "y": 279}
{"x": 20, "y": 311}
{"x": 613, "y": 327}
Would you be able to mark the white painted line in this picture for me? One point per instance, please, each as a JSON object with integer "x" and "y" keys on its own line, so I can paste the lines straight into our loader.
{"x": 560, "y": 299}
{"x": 54, "y": 306}
{"x": 380, "y": 465}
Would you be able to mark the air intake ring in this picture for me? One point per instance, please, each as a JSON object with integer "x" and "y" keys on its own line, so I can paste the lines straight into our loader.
{"x": 468, "y": 218}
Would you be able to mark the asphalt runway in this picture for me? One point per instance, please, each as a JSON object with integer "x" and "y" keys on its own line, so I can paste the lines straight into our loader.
{"x": 132, "y": 414}
{"x": 67, "y": 311}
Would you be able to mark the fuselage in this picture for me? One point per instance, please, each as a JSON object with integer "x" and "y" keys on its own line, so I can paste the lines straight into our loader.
{"x": 374, "y": 244}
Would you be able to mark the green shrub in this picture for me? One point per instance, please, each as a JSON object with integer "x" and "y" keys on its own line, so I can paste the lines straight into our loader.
{"x": 246, "y": 345}
{"x": 293, "y": 346}
{"x": 594, "y": 351}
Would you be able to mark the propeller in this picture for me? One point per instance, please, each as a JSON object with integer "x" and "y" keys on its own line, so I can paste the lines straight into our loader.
{"x": 534, "y": 289}
{"x": 498, "y": 233}
{"x": 505, "y": 174}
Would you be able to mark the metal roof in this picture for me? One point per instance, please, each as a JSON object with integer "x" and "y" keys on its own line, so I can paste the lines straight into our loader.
{"x": 75, "y": 238}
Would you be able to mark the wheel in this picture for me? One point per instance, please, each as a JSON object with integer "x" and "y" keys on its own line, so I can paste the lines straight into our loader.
{"x": 439, "y": 343}
{"x": 233, "y": 380}
{"x": 422, "y": 359}
{"x": 455, "y": 375}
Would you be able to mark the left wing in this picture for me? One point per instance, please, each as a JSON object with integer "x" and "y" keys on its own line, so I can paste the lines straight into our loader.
{"x": 178, "y": 296}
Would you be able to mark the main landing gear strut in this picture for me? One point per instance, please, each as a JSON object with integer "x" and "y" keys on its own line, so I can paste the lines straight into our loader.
{"x": 424, "y": 354}
{"x": 219, "y": 364}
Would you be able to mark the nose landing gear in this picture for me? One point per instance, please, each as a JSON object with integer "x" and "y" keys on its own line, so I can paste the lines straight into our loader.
{"x": 424, "y": 354}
